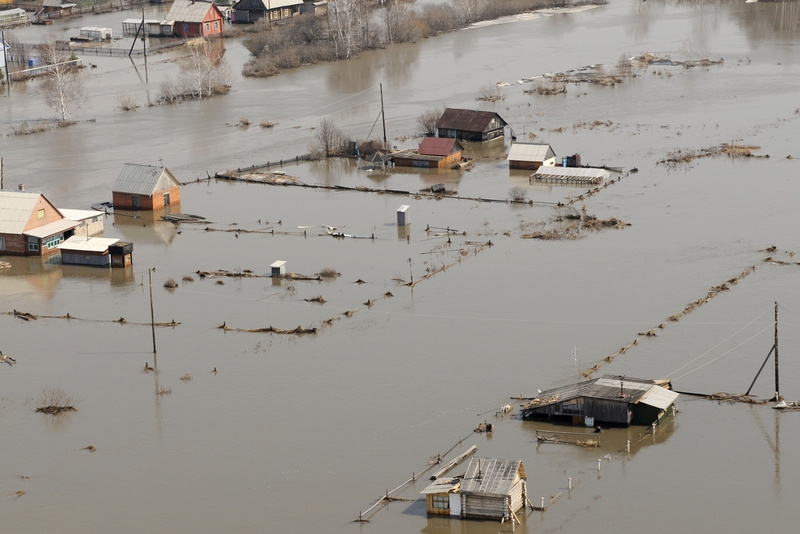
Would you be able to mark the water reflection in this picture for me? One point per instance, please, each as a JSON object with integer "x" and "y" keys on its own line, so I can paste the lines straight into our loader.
{"x": 146, "y": 226}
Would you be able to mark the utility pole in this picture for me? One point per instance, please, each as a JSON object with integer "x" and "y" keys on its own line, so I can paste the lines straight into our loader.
{"x": 383, "y": 118}
{"x": 775, "y": 346}
{"x": 152, "y": 315}
{"x": 5, "y": 61}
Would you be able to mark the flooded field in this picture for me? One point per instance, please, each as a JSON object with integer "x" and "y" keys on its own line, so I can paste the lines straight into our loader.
{"x": 244, "y": 431}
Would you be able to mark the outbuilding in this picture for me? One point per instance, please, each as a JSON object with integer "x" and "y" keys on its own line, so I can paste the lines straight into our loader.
{"x": 609, "y": 400}
{"x": 470, "y": 124}
{"x": 491, "y": 488}
{"x": 433, "y": 152}
{"x": 145, "y": 187}
{"x": 248, "y": 11}
{"x": 530, "y": 156}
{"x": 93, "y": 251}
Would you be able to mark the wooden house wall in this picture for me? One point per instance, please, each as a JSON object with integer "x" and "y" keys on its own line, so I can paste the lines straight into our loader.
{"x": 485, "y": 506}
{"x": 85, "y": 258}
{"x": 644, "y": 414}
{"x": 436, "y": 511}
{"x": 213, "y": 16}
{"x": 188, "y": 29}
{"x": 524, "y": 165}
{"x": 608, "y": 411}
{"x": 124, "y": 201}
{"x": 16, "y": 245}
{"x": 518, "y": 495}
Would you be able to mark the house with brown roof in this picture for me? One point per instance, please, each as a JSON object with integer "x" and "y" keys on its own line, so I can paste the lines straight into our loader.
{"x": 195, "y": 18}
{"x": 145, "y": 187}
{"x": 433, "y": 153}
{"x": 470, "y": 124}
{"x": 30, "y": 225}
{"x": 248, "y": 11}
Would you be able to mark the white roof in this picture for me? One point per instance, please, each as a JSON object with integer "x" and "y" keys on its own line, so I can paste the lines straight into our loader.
{"x": 530, "y": 152}
{"x": 572, "y": 172}
{"x": 90, "y": 244}
{"x": 659, "y": 397}
{"x": 79, "y": 215}
{"x": 53, "y": 228}
{"x": 279, "y": 263}
{"x": 15, "y": 210}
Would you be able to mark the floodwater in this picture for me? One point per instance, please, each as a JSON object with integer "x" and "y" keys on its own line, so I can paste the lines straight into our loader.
{"x": 302, "y": 433}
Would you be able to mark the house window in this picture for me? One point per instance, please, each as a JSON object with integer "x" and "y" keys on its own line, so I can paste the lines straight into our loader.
{"x": 53, "y": 241}
{"x": 2, "y": 243}
{"x": 216, "y": 25}
{"x": 440, "y": 502}
{"x": 33, "y": 244}
{"x": 208, "y": 26}
{"x": 40, "y": 213}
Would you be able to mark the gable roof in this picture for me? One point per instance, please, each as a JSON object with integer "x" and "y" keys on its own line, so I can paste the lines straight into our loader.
{"x": 438, "y": 146}
{"x": 609, "y": 388}
{"x": 491, "y": 476}
{"x": 469, "y": 120}
{"x": 136, "y": 179}
{"x": 530, "y": 152}
{"x": 190, "y": 10}
{"x": 16, "y": 208}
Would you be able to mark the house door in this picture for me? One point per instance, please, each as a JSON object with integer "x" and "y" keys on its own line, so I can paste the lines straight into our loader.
{"x": 136, "y": 202}
{"x": 166, "y": 199}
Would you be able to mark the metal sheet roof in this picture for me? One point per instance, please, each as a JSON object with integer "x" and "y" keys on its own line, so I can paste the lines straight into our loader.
{"x": 566, "y": 173}
{"x": 438, "y": 146}
{"x": 136, "y": 179}
{"x": 468, "y": 120}
{"x": 15, "y": 210}
{"x": 53, "y": 228}
{"x": 530, "y": 152}
{"x": 79, "y": 215}
{"x": 659, "y": 397}
{"x": 623, "y": 389}
{"x": 491, "y": 476}
{"x": 189, "y": 10}
{"x": 91, "y": 244}
{"x": 442, "y": 485}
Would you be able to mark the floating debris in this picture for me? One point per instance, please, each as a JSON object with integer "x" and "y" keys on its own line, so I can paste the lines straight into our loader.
{"x": 270, "y": 330}
{"x": 90, "y": 448}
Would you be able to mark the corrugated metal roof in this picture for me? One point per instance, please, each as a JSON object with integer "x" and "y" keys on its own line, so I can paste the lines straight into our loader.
{"x": 189, "y": 10}
{"x": 79, "y": 215}
{"x": 437, "y": 146}
{"x": 530, "y": 152}
{"x": 91, "y": 244}
{"x": 607, "y": 387}
{"x": 566, "y": 173}
{"x": 491, "y": 476}
{"x": 136, "y": 179}
{"x": 442, "y": 485}
{"x": 659, "y": 397}
{"x": 468, "y": 120}
{"x": 53, "y": 228}
{"x": 15, "y": 210}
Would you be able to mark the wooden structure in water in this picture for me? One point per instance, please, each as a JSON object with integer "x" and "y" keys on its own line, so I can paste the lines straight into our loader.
{"x": 609, "y": 400}
{"x": 491, "y": 488}
{"x": 570, "y": 175}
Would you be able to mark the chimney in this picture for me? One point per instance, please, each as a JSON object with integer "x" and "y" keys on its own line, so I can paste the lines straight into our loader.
{"x": 22, "y": 187}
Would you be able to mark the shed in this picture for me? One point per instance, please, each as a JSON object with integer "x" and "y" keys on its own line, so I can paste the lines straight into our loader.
{"x": 530, "y": 156}
{"x": 30, "y": 225}
{"x": 491, "y": 488}
{"x": 121, "y": 254}
{"x": 195, "y": 18}
{"x": 248, "y": 11}
{"x": 470, "y": 124}
{"x": 278, "y": 268}
{"x": 10, "y": 17}
{"x": 402, "y": 215}
{"x": 90, "y": 222}
{"x": 145, "y": 187}
{"x": 609, "y": 400}
{"x": 80, "y": 250}
{"x": 95, "y": 33}
{"x": 152, "y": 27}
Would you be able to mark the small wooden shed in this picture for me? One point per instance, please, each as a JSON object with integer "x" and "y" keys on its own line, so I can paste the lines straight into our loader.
{"x": 491, "y": 488}
{"x": 470, "y": 124}
{"x": 145, "y": 187}
{"x": 81, "y": 250}
{"x": 530, "y": 156}
{"x": 609, "y": 400}
{"x": 121, "y": 254}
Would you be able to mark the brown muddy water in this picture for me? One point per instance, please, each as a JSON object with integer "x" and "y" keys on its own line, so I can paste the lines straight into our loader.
{"x": 301, "y": 433}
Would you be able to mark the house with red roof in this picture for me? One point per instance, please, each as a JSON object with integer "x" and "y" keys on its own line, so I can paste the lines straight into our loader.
{"x": 433, "y": 153}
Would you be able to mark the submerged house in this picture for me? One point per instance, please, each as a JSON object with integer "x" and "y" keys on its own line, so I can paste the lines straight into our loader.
{"x": 81, "y": 250}
{"x": 491, "y": 488}
{"x": 433, "y": 153}
{"x": 530, "y": 156}
{"x": 245, "y": 11}
{"x": 470, "y": 124}
{"x": 30, "y": 225}
{"x": 145, "y": 187}
{"x": 195, "y": 18}
{"x": 609, "y": 400}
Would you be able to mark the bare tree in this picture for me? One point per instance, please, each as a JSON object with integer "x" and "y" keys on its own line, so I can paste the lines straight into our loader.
{"x": 330, "y": 139}
{"x": 349, "y": 23}
{"x": 427, "y": 121}
{"x": 401, "y": 27}
{"x": 204, "y": 72}
{"x": 63, "y": 86}
{"x": 467, "y": 10}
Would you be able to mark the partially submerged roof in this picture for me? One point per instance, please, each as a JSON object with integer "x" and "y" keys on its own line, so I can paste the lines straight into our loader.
{"x": 189, "y": 10}
{"x": 15, "y": 210}
{"x": 572, "y": 173}
{"x": 492, "y": 476}
{"x": 136, "y": 179}
{"x": 53, "y": 228}
{"x": 612, "y": 388}
{"x": 468, "y": 120}
{"x": 438, "y": 146}
{"x": 79, "y": 215}
{"x": 530, "y": 152}
{"x": 442, "y": 485}
{"x": 84, "y": 244}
